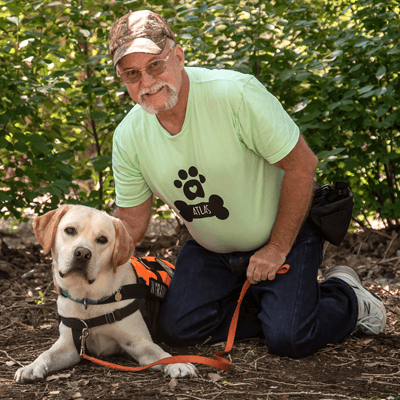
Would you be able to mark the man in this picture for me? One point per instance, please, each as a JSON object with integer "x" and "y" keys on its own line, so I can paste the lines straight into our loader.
{"x": 221, "y": 151}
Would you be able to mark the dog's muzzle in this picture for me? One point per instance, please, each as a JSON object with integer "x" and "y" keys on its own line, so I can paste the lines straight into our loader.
{"x": 80, "y": 261}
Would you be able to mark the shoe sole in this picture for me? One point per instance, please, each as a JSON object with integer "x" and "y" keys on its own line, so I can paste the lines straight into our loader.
{"x": 349, "y": 273}
{"x": 343, "y": 269}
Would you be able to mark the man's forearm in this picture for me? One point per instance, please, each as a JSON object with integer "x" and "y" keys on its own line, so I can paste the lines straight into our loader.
{"x": 295, "y": 200}
{"x": 136, "y": 219}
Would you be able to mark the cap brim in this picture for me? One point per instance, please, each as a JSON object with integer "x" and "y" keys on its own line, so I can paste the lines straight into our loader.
{"x": 139, "y": 45}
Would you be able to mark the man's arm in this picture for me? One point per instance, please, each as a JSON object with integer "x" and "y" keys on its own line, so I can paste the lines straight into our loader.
{"x": 296, "y": 194}
{"x": 136, "y": 219}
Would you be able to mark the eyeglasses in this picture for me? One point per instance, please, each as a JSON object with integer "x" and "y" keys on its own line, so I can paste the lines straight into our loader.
{"x": 154, "y": 68}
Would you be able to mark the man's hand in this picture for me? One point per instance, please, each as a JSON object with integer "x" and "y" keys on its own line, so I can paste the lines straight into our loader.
{"x": 264, "y": 264}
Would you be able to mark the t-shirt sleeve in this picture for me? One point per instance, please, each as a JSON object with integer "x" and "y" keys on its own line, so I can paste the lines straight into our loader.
{"x": 264, "y": 126}
{"x": 130, "y": 187}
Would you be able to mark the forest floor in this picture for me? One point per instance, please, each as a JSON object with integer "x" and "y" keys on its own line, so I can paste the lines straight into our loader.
{"x": 360, "y": 367}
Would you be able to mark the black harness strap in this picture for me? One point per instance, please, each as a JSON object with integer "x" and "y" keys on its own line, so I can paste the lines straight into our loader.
{"x": 77, "y": 325}
{"x": 134, "y": 291}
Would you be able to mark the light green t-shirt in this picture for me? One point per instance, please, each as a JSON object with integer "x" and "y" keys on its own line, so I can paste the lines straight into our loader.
{"x": 217, "y": 173}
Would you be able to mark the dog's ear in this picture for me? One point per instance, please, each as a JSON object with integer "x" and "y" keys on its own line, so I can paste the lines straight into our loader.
{"x": 45, "y": 227}
{"x": 123, "y": 248}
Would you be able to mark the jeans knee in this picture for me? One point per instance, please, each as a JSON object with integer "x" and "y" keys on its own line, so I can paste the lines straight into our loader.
{"x": 189, "y": 329}
{"x": 289, "y": 344}
{"x": 280, "y": 343}
{"x": 168, "y": 329}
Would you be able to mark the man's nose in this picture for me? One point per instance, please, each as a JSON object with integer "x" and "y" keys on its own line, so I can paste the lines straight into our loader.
{"x": 147, "y": 80}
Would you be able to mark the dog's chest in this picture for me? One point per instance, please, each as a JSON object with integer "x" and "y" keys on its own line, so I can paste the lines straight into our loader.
{"x": 102, "y": 343}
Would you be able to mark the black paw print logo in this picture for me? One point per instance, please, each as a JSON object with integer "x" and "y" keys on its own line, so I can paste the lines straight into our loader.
{"x": 193, "y": 187}
{"x": 192, "y": 181}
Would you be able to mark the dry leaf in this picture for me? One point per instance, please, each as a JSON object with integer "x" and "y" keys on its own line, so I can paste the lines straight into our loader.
{"x": 364, "y": 342}
{"x": 56, "y": 377}
{"x": 22, "y": 325}
{"x": 214, "y": 377}
{"x": 172, "y": 384}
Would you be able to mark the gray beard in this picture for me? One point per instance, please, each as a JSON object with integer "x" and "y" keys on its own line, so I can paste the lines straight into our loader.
{"x": 171, "y": 101}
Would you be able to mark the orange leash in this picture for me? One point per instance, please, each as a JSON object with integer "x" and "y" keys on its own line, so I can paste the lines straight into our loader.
{"x": 218, "y": 362}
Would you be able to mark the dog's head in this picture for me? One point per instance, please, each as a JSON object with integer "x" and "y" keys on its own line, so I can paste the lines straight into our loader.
{"x": 83, "y": 241}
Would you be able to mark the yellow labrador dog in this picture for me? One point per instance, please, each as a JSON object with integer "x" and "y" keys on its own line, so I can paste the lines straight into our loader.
{"x": 91, "y": 261}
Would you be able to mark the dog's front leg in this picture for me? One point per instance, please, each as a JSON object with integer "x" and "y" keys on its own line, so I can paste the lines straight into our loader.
{"x": 141, "y": 347}
{"x": 61, "y": 355}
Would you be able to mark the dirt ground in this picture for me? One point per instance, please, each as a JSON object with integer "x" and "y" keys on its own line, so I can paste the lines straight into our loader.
{"x": 360, "y": 367}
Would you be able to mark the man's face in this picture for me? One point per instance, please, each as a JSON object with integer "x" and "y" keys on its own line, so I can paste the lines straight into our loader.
{"x": 155, "y": 93}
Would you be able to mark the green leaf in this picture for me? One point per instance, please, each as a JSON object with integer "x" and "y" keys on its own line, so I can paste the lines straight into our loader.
{"x": 366, "y": 89}
{"x": 62, "y": 184}
{"x": 329, "y": 153}
{"x": 356, "y": 67}
{"x": 22, "y": 147}
{"x": 98, "y": 115}
{"x": 382, "y": 110}
{"x": 381, "y": 72}
{"x": 101, "y": 163}
{"x": 4, "y": 118}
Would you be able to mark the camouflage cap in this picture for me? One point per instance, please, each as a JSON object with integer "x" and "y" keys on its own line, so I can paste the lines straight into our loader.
{"x": 140, "y": 31}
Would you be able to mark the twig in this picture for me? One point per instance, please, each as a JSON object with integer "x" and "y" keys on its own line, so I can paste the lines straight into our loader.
{"x": 291, "y": 394}
{"x": 216, "y": 396}
{"x": 22, "y": 325}
{"x": 6, "y": 327}
{"x": 390, "y": 244}
{"x": 206, "y": 341}
{"x": 341, "y": 365}
{"x": 50, "y": 342}
{"x": 383, "y": 375}
{"x": 17, "y": 362}
{"x": 311, "y": 393}
{"x": 49, "y": 305}
{"x": 383, "y": 383}
{"x": 377, "y": 232}
{"x": 48, "y": 286}
{"x": 384, "y": 261}
{"x": 298, "y": 383}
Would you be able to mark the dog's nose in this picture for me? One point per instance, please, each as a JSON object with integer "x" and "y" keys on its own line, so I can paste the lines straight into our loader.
{"x": 82, "y": 254}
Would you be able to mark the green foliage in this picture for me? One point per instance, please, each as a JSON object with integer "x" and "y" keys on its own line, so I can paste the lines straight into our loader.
{"x": 59, "y": 105}
{"x": 333, "y": 65}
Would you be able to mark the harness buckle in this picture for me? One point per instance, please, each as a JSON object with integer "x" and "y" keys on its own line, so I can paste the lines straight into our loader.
{"x": 114, "y": 316}
{"x": 84, "y": 336}
{"x": 110, "y": 318}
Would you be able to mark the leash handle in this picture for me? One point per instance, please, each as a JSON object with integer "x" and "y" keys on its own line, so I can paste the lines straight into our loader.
{"x": 282, "y": 270}
{"x": 218, "y": 362}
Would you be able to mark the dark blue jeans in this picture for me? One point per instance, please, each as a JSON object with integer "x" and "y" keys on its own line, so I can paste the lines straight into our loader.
{"x": 294, "y": 314}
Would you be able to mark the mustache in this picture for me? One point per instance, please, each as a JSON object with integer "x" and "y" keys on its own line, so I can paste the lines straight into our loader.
{"x": 157, "y": 86}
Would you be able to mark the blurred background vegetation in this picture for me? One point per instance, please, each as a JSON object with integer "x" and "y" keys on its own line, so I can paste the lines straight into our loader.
{"x": 333, "y": 64}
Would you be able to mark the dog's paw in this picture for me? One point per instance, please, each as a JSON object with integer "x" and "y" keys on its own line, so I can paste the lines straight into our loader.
{"x": 181, "y": 370}
{"x": 31, "y": 372}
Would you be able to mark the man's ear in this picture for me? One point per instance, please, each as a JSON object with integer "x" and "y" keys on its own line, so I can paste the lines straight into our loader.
{"x": 45, "y": 227}
{"x": 124, "y": 247}
{"x": 180, "y": 54}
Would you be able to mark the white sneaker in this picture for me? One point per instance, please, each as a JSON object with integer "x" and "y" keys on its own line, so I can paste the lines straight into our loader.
{"x": 371, "y": 311}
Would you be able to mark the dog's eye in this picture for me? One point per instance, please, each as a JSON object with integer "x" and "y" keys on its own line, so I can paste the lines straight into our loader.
{"x": 102, "y": 240}
{"x": 70, "y": 231}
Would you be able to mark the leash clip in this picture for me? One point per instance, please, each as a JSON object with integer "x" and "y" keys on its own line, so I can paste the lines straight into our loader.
{"x": 84, "y": 336}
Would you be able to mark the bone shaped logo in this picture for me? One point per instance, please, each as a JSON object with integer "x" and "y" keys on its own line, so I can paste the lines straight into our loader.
{"x": 193, "y": 189}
